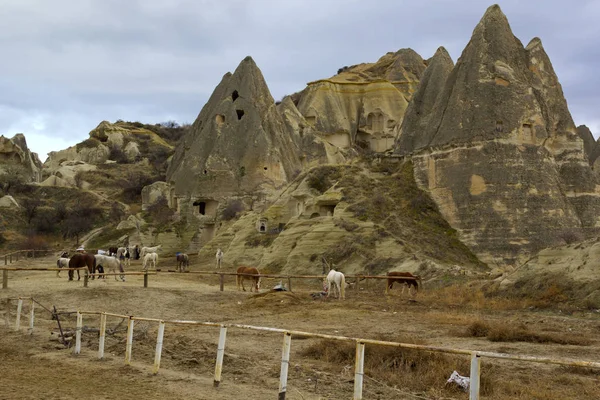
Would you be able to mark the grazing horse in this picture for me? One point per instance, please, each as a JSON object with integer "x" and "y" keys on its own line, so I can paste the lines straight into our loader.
{"x": 219, "y": 257}
{"x": 183, "y": 261}
{"x": 62, "y": 262}
{"x": 112, "y": 251}
{"x": 146, "y": 250}
{"x": 110, "y": 263}
{"x": 123, "y": 255}
{"x": 239, "y": 279}
{"x": 80, "y": 260}
{"x": 406, "y": 278}
{"x": 338, "y": 280}
{"x": 150, "y": 258}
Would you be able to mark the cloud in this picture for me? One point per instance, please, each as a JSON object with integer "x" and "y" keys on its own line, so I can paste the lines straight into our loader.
{"x": 67, "y": 65}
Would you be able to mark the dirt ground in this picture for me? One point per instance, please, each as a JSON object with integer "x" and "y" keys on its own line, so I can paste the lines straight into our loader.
{"x": 35, "y": 366}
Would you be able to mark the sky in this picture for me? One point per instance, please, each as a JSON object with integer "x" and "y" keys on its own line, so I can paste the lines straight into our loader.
{"x": 67, "y": 65}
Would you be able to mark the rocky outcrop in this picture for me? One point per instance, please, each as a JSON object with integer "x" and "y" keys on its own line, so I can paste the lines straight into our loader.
{"x": 93, "y": 152}
{"x": 239, "y": 146}
{"x": 14, "y": 152}
{"x": 590, "y": 146}
{"x": 9, "y": 202}
{"x": 499, "y": 152}
{"x": 419, "y": 110}
{"x": 154, "y": 192}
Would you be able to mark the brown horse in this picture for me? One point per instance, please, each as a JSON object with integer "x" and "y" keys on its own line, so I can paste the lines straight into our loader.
{"x": 183, "y": 261}
{"x": 406, "y": 278}
{"x": 239, "y": 279}
{"x": 80, "y": 260}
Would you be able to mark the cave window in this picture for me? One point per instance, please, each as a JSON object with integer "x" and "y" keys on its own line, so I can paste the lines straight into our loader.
{"x": 527, "y": 131}
{"x": 240, "y": 114}
{"x": 262, "y": 226}
{"x": 205, "y": 172}
{"x": 265, "y": 168}
{"x": 498, "y": 126}
{"x": 235, "y": 95}
{"x": 201, "y": 207}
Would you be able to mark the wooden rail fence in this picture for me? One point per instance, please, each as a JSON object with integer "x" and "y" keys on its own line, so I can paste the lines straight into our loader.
{"x": 475, "y": 355}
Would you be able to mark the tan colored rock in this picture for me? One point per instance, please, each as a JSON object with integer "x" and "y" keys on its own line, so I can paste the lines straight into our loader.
{"x": 132, "y": 151}
{"x": 9, "y": 202}
{"x": 54, "y": 180}
{"x": 14, "y": 152}
{"x": 152, "y": 193}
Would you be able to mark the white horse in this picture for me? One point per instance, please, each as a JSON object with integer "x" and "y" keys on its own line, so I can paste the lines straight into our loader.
{"x": 62, "y": 262}
{"x": 124, "y": 255}
{"x": 339, "y": 281}
{"x": 111, "y": 264}
{"x": 102, "y": 252}
{"x": 146, "y": 250}
{"x": 150, "y": 258}
{"x": 219, "y": 257}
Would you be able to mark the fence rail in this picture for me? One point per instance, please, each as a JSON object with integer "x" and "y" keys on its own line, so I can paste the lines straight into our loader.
{"x": 288, "y": 334}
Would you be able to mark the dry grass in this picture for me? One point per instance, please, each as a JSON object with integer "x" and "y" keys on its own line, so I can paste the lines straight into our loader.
{"x": 507, "y": 332}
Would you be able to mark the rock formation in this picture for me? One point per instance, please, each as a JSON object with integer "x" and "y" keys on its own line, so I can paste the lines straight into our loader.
{"x": 14, "y": 152}
{"x": 363, "y": 104}
{"x": 499, "y": 152}
{"x": 590, "y": 147}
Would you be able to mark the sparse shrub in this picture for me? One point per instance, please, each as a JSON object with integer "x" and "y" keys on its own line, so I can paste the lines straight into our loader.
{"x": 570, "y": 236}
{"x": 232, "y": 209}
{"x": 322, "y": 178}
{"x": 13, "y": 179}
{"x": 380, "y": 265}
{"x": 117, "y": 154}
{"x": 88, "y": 144}
{"x": 478, "y": 329}
{"x": 261, "y": 239}
{"x": 347, "y": 225}
{"x": 508, "y": 332}
{"x": 34, "y": 241}
{"x": 313, "y": 257}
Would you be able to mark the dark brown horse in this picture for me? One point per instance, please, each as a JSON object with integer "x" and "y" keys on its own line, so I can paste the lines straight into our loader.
{"x": 112, "y": 251}
{"x": 239, "y": 279}
{"x": 80, "y": 260}
{"x": 405, "y": 278}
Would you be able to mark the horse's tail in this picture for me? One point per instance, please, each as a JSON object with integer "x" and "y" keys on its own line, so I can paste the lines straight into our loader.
{"x": 58, "y": 264}
{"x": 343, "y": 287}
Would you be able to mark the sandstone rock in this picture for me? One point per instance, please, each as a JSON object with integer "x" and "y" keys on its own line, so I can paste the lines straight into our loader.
{"x": 8, "y": 202}
{"x": 499, "y": 153}
{"x": 590, "y": 146}
{"x": 54, "y": 180}
{"x": 132, "y": 222}
{"x": 97, "y": 154}
{"x": 417, "y": 115}
{"x": 152, "y": 193}
{"x": 238, "y": 146}
{"x": 15, "y": 152}
{"x": 132, "y": 151}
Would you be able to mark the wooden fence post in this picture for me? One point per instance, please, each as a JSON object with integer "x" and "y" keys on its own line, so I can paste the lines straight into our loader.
{"x": 146, "y": 279}
{"x": 474, "y": 378}
{"x": 129, "y": 345}
{"x": 102, "y": 336}
{"x": 19, "y": 308}
{"x": 289, "y": 284}
{"x": 31, "y": 317}
{"x": 221, "y": 281}
{"x": 159, "y": 343}
{"x": 86, "y": 277}
{"x": 77, "y": 349}
{"x": 220, "y": 354}
{"x": 285, "y": 363}
{"x": 5, "y": 279}
{"x": 359, "y": 365}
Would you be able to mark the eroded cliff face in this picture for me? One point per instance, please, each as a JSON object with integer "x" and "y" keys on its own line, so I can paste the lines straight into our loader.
{"x": 364, "y": 104}
{"x": 14, "y": 152}
{"x": 499, "y": 151}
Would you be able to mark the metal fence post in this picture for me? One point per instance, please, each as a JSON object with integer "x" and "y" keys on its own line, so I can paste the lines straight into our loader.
{"x": 159, "y": 343}
{"x": 129, "y": 345}
{"x": 102, "y": 336}
{"x": 77, "y": 349}
{"x": 359, "y": 365}
{"x": 31, "y": 317}
{"x": 220, "y": 354}
{"x": 285, "y": 363}
{"x": 19, "y": 308}
{"x": 474, "y": 378}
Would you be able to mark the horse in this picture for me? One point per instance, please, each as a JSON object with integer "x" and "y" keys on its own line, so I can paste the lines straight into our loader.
{"x": 135, "y": 252}
{"x": 146, "y": 250}
{"x": 239, "y": 279}
{"x": 112, "y": 250}
{"x": 406, "y": 278}
{"x": 110, "y": 263}
{"x": 219, "y": 257}
{"x": 339, "y": 282}
{"x": 150, "y": 258}
{"x": 62, "y": 262}
{"x": 183, "y": 261}
{"x": 80, "y": 260}
{"x": 123, "y": 254}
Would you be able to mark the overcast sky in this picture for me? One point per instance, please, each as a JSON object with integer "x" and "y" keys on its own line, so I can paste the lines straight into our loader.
{"x": 69, "y": 64}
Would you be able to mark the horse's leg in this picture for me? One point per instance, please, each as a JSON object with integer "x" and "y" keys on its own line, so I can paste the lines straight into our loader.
{"x": 243, "y": 288}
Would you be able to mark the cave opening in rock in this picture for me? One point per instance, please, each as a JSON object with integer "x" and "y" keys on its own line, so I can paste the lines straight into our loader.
{"x": 240, "y": 113}
{"x": 235, "y": 95}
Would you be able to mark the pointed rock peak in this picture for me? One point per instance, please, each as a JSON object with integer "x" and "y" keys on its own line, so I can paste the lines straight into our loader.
{"x": 494, "y": 11}
{"x": 533, "y": 43}
{"x": 494, "y": 20}
{"x": 442, "y": 53}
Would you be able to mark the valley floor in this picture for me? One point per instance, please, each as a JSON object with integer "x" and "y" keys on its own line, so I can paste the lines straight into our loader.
{"x": 33, "y": 367}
